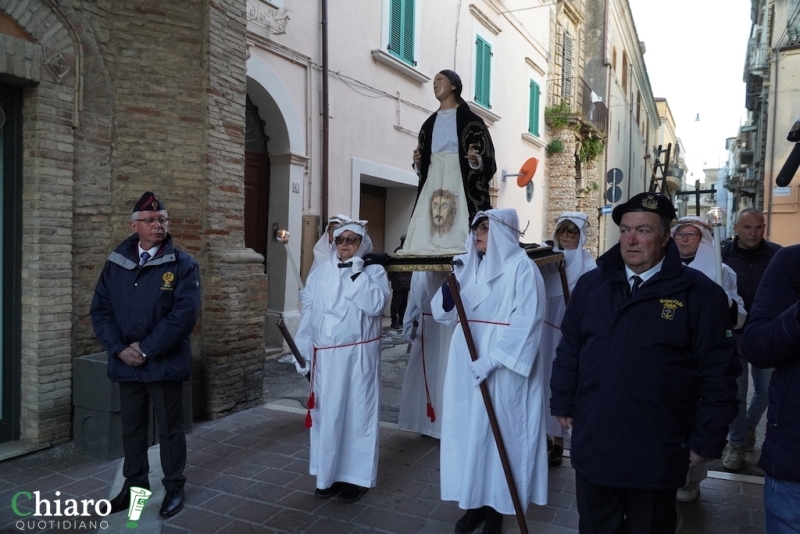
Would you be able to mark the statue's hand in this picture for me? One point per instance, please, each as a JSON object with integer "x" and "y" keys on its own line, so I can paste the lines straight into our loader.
{"x": 472, "y": 154}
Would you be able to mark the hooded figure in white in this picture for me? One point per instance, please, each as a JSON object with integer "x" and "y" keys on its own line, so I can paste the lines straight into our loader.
{"x": 340, "y": 334}
{"x": 423, "y": 385}
{"x": 705, "y": 261}
{"x": 503, "y": 295}
{"x": 577, "y": 262}
{"x": 324, "y": 245}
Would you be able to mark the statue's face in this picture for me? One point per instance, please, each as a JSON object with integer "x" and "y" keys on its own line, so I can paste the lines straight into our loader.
{"x": 440, "y": 208}
{"x": 442, "y": 87}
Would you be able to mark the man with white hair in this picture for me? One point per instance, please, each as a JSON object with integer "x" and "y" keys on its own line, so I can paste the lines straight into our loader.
{"x": 144, "y": 309}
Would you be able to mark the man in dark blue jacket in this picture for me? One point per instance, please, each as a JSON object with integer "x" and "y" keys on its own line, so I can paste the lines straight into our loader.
{"x": 772, "y": 339}
{"x": 145, "y": 307}
{"x": 645, "y": 374}
{"x": 748, "y": 254}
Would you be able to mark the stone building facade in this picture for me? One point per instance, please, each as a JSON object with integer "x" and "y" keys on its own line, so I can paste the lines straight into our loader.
{"x": 105, "y": 100}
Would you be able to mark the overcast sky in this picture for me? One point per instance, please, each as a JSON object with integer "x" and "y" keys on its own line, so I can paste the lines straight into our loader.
{"x": 695, "y": 59}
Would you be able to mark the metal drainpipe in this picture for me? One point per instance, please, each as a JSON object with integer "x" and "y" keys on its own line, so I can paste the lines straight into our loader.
{"x": 772, "y": 148}
{"x": 325, "y": 116}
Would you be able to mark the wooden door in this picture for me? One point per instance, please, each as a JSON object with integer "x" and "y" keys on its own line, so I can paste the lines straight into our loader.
{"x": 373, "y": 210}
{"x": 256, "y": 202}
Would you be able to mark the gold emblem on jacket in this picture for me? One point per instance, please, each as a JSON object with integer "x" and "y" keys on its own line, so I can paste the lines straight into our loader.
{"x": 670, "y": 305}
{"x": 168, "y": 277}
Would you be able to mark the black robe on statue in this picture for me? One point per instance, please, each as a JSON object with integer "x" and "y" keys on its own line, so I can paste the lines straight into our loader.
{"x": 471, "y": 130}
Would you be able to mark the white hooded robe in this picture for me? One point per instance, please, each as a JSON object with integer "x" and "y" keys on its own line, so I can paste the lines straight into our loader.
{"x": 503, "y": 295}
{"x": 340, "y": 330}
{"x": 427, "y": 362}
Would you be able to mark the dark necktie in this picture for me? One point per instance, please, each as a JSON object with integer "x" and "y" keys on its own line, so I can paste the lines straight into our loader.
{"x": 636, "y": 283}
{"x": 143, "y": 258}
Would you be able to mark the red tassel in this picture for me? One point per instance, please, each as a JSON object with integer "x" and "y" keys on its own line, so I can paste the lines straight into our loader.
{"x": 308, "y": 419}
{"x": 311, "y": 401}
{"x": 431, "y": 413}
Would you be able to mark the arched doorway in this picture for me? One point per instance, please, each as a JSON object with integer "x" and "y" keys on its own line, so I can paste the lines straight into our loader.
{"x": 256, "y": 182}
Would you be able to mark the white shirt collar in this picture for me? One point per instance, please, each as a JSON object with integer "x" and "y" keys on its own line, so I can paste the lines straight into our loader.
{"x": 645, "y": 276}
{"x": 151, "y": 251}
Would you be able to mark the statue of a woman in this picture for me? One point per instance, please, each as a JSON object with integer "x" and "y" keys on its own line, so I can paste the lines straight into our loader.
{"x": 455, "y": 161}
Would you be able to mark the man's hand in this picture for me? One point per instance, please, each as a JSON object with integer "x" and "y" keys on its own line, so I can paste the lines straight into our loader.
{"x": 696, "y": 459}
{"x": 565, "y": 422}
{"x": 131, "y": 356}
{"x": 417, "y": 156}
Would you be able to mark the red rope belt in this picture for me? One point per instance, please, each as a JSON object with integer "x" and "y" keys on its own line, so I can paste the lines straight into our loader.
{"x": 311, "y": 398}
{"x": 431, "y": 413}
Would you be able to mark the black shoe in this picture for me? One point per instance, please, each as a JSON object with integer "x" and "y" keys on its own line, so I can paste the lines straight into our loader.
{"x": 352, "y": 493}
{"x": 494, "y": 521}
{"x": 555, "y": 456}
{"x": 470, "y": 520}
{"x": 327, "y": 493}
{"x": 395, "y": 326}
{"x": 123, "y": 499}
{"x": 173, "y": 503}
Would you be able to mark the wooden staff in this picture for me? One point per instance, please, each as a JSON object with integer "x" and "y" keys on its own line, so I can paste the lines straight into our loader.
{"x": 562, "y": 272}
{"x": 487, "y": 401}
{"x": 292, "y": 345}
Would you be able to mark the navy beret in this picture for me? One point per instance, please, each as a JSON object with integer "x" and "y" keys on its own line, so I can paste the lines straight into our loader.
{"x": 652, "y": 202}
{"x": 149, "y": 202}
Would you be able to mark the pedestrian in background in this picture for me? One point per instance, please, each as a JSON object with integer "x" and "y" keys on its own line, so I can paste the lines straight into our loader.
{"x": 748, "y": 255}
{"x": 569, "y": 238}
{"x": 401, "y": 285}
{"x": 645, "y": 375}
{"x": 696, "y": 248}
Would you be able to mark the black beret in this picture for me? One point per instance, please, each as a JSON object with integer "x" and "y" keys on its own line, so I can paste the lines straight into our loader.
{"x": 149, "y": 202}
{"x": 652, "y": 202}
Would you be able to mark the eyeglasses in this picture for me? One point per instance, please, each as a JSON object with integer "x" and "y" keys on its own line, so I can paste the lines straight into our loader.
{"x": 686, "y": 235}
{"x": 163, "y": 221}
{"x": 571, "y": 233}
{"x": 350, "y": 240}
{"x": 482, "y": 228}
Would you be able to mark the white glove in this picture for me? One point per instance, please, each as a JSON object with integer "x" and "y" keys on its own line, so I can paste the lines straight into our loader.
{"x": 482, "y": 368}
{"x": 300, "y": 369}
{"x": 358, "y": 265}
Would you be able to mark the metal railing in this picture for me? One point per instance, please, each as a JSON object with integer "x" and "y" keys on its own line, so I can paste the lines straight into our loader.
{"x": 581, "y": 101}
{"x": 757, "y": 55}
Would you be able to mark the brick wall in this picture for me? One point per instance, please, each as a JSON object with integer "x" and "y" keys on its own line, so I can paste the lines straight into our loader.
{"x": 160, "y": 107}
{"x": 235, "y": 290}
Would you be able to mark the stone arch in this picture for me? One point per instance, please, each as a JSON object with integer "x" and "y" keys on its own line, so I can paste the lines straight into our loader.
{"x": 288, "y": 160}
{"x": 47, "y": 65}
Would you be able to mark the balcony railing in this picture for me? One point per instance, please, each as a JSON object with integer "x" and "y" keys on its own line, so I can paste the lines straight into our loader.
{"x": 581, "y": 100}
{"x": 756, "y": 56}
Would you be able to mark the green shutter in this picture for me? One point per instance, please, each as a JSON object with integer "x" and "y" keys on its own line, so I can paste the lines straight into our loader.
{"x": 483, "y": 72}
{"x": 401, "y": 30}
{"x": 408, "y": 32}
{"x": 533, "y": 112}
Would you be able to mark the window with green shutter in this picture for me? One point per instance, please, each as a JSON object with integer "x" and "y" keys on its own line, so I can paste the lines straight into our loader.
{"x": 483, "y": 72}
{"x": 401, "y": 30}
{"x": 533, "y": 110}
